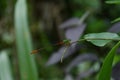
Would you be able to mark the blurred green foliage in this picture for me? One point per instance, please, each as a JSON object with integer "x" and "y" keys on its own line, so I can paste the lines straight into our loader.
{"x": 106, "y": 70}
{"x": 3, "y": 6}
{"x": 38, "y": 27}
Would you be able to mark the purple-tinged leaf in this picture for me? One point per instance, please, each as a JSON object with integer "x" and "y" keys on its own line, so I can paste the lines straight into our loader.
{"x": 68, "y": 77}
{"x": 79, "y": 59}
{"x": 69, "y": 23}
{"x": 74, "y": 33}
{"x": 75, "y": 21}
{"x": 85, "y": 74}
{"x": 89, "y": 72}
{"x": 116, "y": 72}
{"x": 56, "y": 57}
{"x": 118, "y": 51}
{"x": 115, "y": 28}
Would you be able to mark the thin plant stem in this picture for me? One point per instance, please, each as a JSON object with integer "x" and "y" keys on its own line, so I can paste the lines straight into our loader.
{"x": 66, "y": 47}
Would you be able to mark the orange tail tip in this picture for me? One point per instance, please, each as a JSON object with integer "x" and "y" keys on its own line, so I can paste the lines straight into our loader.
{"x": 37, "y": 50}
{"x": 34, "y": 52}
{"x": 59, "y": 43}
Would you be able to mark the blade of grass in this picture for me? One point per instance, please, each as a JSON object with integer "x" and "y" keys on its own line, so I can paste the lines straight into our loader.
{"x": 5, "y": 69}
{"x": 116, "y": 20}
{"x": 113, "y": 2}
{"x": 105, "y": 72}
{"x": 27, "y": 65}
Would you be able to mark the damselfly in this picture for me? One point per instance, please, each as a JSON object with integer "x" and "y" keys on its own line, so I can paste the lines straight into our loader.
{"x": 64, "y": 42}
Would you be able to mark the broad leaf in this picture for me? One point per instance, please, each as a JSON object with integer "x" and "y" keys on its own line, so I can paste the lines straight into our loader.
{"x": 106, "y": 70}
{"x": 100, "y": 39}
{"x": 56, "y": 57}
{"x": 75, "y": 21}
{"x": 70, "y": 22}
{"x": 75, "y": 33}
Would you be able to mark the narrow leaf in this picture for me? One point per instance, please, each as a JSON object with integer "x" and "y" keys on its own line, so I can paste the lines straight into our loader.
{"x": 106, "y": 70}
{"x": 116, "y": 20}
{"x": 5, "y": 68}
{"x": 113, "y": 2}
{"x": 100, "y": 39}
{"x": 27, "y": 65}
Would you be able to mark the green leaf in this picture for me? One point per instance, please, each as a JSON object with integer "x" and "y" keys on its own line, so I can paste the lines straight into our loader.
{"x": 116, "y": 20}
{"x": 105, "y": 72}
{"x": 113, "y": 2}
{"x": 5, "y": 68}
{"x": 28, "y": 70}
{"x": 100, "y": 39}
